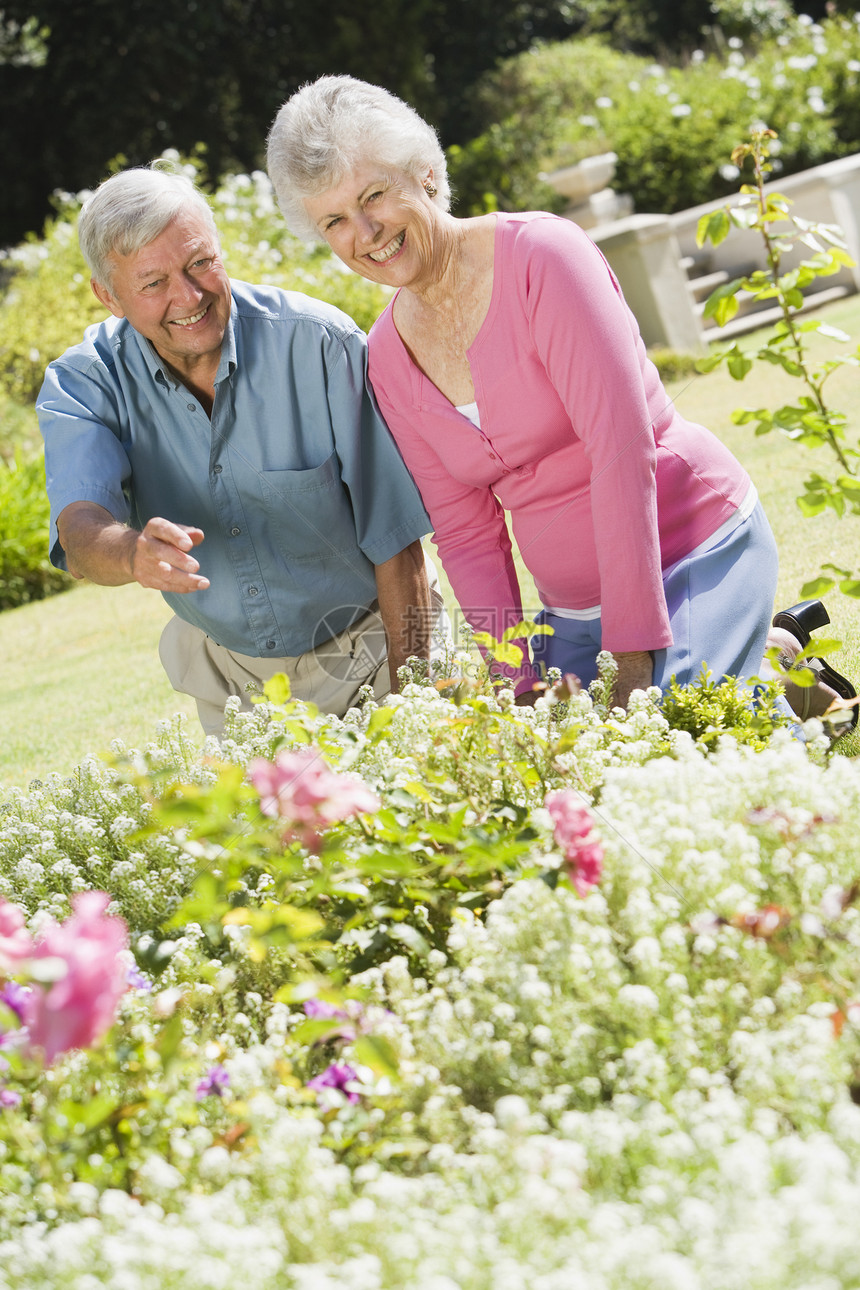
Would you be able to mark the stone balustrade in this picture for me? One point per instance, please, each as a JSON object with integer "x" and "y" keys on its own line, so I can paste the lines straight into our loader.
{"x": 665, "y": 277}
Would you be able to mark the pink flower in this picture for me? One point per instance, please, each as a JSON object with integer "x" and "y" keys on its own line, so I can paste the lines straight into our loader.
{"x": 572, "y": 830}
{"x": 77, "y": 1009}
{"x": 16, "y": 943}
{"x": 302, "y": 789}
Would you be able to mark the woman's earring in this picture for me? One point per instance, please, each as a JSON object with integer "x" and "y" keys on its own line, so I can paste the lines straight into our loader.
{"x": 430, "y": 188}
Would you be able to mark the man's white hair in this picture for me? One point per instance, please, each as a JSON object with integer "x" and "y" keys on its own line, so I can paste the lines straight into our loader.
{"x": 131, "y": 209}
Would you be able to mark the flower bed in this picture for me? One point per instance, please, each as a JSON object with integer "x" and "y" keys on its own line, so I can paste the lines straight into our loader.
{"x": 471, "y": 996}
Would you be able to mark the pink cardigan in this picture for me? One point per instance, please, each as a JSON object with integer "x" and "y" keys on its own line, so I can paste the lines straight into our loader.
{"x": 605, "y": 482}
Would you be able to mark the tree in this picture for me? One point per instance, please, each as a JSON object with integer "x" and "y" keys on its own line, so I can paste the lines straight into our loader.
{"x": 129, "y": 80}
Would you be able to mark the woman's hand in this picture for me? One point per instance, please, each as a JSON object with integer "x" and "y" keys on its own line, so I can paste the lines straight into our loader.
{"x": 635, "y": 672}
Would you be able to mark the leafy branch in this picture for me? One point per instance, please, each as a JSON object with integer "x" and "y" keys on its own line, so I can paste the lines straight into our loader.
{"x": 810, "y": 420}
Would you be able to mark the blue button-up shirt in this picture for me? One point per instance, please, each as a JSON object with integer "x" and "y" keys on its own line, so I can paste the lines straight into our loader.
{"x": 296, "y": 482}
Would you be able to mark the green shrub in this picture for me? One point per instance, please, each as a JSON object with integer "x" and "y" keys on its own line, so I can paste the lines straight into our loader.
{"x": 708, "y": 709}
{"x": 672, "y": 127}
{"x": 47, "y": 305}
{"x": 673, "y": 364}
{"x": 18, "y": 427}
{"x": 25, "y": 570}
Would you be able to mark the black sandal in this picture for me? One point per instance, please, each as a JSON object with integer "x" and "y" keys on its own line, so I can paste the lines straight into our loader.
{"x": 800, "y": 621}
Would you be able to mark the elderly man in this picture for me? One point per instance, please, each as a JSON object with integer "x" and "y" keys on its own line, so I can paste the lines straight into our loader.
{"x": 219, "y": 442}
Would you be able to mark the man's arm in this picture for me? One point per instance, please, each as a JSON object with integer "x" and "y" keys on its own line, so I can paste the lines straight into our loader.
{"x": 101, "y": 549}
{"x": 404, "y": 604}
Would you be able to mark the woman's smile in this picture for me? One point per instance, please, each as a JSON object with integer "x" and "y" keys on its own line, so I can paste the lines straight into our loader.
{"x": 389, "y": 251}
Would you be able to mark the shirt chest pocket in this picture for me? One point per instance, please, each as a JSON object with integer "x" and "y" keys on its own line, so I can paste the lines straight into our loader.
{"x": 309, "y": 511}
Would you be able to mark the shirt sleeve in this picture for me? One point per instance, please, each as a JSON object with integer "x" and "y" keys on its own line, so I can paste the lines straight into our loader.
{"x": 387, "y": 507}
{"x": 85, "y": 460}
{"x": 589, "y": 343}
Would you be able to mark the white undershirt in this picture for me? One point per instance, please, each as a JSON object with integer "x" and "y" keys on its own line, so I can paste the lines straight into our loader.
{"x": 470, "y": 410}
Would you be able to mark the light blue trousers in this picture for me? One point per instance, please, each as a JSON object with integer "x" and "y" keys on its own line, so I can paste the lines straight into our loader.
{"x": 720, "y": 606}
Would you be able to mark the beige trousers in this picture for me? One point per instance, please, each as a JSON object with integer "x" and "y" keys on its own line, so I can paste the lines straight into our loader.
{"x": 329, "y": 676}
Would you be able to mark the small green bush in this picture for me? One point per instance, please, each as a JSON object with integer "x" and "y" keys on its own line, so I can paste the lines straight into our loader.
{"x": 708, "y": 709}
{"x": 673, "y": 364}
{"x": 25, "y": 570}
{"x": 672, "y": 127}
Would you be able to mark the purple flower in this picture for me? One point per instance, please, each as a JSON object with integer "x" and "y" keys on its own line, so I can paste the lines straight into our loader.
{"x": 9, "y": 1099}
{"x": 19, "y": 1038}
{"x": 213, "y": 1084}
{"x": 339, "y": 1075}
{"x": 348, "y": 1021}
{"x": 136, "y": 980}
{"x": 318, "y": 1008}
{"x": 14, "y": 996}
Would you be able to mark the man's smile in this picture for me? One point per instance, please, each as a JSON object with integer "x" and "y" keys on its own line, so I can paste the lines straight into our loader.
{"x": 190, "y": 320}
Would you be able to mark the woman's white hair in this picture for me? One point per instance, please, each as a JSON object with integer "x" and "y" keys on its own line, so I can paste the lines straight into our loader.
{"x": 333, "y": 125}
{"x": 131, "y": 209}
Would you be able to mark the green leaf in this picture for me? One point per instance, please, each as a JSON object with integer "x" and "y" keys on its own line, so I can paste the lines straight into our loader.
{"x": 813, "y": 505}
{"x": 850, "y": 587}
{"x": 739, "y": 365}
{"x": 377, "y": 1053}
{"x": 415, "y": 789}
{"x": 316, "y": 1030}
{"x": 743, "y": 416}
{"x": 850, "y": 486}
{"x": 510, "y": 655}
{"x": 722, "y": 304}
{"x": 169, "y": 1038}
{"x": 379, "y": 719}
{"x": 711, "y": 362}
{"x": 409, "y": 936}
{"x": 94, "y": 1111}
{"x": 298, "y": 923}
{"x": 821, "y": 646}
{"x": 277, "y": 689}
{"x": 816, "y": 588}
{"x": 713, "y": 227}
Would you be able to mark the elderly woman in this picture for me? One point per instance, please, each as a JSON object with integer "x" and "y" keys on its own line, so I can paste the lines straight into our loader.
{"x": 513, "y": 378}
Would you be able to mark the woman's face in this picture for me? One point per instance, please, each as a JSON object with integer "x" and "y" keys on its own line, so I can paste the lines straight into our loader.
{"x": 381, "y": 223}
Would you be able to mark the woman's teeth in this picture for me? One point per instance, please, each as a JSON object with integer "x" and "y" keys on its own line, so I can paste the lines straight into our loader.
{"x": 379, "y": 257}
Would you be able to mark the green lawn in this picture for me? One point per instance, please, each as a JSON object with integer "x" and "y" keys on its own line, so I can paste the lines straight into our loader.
{"x": 77, "y": 671}
{"x": 81, "y": 669}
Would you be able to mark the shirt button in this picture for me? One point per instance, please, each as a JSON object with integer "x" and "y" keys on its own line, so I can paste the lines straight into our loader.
{"x": 253, "y": 591}
{"x": 270, "y": 644}
{"x": 216, "y": 470}
{"x": 235, "y": 532}
{"x": 192, "y": 407}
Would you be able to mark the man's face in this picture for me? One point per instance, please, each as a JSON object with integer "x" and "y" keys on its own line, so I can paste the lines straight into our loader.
{"x": 175, "y": 292}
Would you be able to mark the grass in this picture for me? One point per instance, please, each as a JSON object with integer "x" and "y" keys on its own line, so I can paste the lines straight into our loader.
{"x": 82, "y": 669}
{"x": 77, "y": 671}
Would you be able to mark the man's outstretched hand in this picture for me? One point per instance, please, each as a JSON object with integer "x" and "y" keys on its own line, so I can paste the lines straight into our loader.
{"x": 101, "y": 549}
